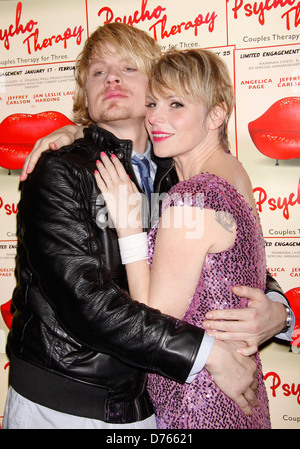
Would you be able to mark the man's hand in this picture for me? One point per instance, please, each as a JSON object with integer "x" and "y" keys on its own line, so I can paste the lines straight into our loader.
{"x": 234, "y": 374}
{"x": 54, "y": 141}
{"x": 256, "y": 324}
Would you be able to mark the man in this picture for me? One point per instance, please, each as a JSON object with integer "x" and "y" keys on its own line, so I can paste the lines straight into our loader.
{"x": 80, "y": 347}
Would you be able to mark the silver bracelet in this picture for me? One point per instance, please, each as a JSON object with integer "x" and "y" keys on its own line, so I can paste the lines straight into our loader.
{"x": 288, "y": 321}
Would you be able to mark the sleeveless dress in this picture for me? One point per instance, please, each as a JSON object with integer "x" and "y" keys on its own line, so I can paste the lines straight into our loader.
{"x": 201, "y": 404}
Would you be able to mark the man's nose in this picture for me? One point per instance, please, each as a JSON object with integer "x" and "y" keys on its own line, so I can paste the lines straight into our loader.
{"x": 113, "y": 77}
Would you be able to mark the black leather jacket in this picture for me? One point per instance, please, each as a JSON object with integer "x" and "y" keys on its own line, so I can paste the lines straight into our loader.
{"x": 78, "y": 343}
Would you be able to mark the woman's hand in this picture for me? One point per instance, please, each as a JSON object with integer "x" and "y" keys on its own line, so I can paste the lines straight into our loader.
{"x": 121, "y": 195}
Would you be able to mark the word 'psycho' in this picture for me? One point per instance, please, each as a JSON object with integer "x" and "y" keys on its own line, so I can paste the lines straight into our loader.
{"x": 159, "y": 28}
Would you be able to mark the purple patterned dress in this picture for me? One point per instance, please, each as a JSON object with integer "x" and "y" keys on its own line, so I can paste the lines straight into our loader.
{"x": 201, "y": 404}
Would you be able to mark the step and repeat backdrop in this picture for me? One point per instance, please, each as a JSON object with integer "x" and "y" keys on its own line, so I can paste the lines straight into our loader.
{"x": 260, "y": 42}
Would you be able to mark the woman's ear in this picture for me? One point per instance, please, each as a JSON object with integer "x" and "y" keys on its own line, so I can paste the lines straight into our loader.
{"x": 217, "y": 115}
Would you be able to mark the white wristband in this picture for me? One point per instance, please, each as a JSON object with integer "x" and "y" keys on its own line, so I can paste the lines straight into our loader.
{"x": 133, "y": 248}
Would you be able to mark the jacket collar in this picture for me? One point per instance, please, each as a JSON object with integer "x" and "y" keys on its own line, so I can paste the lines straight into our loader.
{"x": 122, "y": 148}
{"x": 108, "y": 142}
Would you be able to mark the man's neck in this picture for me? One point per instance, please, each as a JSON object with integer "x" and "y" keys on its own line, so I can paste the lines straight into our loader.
{"x": 135, "y": 132}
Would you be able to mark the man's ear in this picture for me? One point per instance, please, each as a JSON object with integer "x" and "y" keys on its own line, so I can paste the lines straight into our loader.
{"x": 217, "y": 115}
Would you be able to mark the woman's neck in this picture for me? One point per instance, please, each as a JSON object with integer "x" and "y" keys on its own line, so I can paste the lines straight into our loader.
{"x": 198, "y": 161}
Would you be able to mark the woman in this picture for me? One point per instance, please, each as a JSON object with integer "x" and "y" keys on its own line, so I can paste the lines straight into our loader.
{"x": 208, "y": 237}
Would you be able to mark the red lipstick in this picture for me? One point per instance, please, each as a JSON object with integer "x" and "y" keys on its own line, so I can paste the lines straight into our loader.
{"x": 159, "y": 136}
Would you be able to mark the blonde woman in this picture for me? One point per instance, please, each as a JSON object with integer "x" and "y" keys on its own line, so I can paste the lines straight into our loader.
{"x": 208, "y": 238}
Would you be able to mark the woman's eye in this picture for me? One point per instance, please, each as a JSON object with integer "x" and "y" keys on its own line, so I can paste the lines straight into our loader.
{"x": 151, "y": 105}
{"x": 176, "y": 104}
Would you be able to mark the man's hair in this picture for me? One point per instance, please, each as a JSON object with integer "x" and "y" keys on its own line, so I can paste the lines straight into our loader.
{"x": 133, "y": 45}
{"x": 196, "y": 76}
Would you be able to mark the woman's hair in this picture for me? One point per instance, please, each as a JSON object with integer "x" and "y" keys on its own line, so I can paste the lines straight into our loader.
{"x": 196, "y": 76}
{"x": 133, "y": 45}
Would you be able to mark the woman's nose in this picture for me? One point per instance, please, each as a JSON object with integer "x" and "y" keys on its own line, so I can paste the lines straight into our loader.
{"x": 154, "y": 116}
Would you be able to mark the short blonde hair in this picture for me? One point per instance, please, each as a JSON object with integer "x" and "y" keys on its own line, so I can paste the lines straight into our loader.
{"x": 132, "y": 43}
{"x": 196, "y": 75}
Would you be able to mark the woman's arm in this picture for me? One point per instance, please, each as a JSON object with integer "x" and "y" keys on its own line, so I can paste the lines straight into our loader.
{"x": 124, "y": 203}
{"x": 185, "y": 235}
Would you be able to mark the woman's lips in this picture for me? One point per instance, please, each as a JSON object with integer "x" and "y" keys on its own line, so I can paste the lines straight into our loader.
{"x": 159, "y": 136}
{"x": 19, "y": 132}
{"x": 276, "y": 133}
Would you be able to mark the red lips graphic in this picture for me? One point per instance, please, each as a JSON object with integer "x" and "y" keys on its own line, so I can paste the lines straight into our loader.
{"x": 293, "y": 297}
{"x": 276, "y": 133}
{"x": 6, "y": 313}
{"x": 19, "y": 132}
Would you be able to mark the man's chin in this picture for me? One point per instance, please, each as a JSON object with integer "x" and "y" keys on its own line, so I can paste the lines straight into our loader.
{"x": 114, "y": 115}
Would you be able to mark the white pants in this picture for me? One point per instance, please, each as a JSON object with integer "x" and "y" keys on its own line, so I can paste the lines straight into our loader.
{"x": 20, "y": 413}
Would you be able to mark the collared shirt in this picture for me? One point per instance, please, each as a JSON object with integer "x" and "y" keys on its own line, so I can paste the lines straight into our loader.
{"x": 146, "y": 155}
